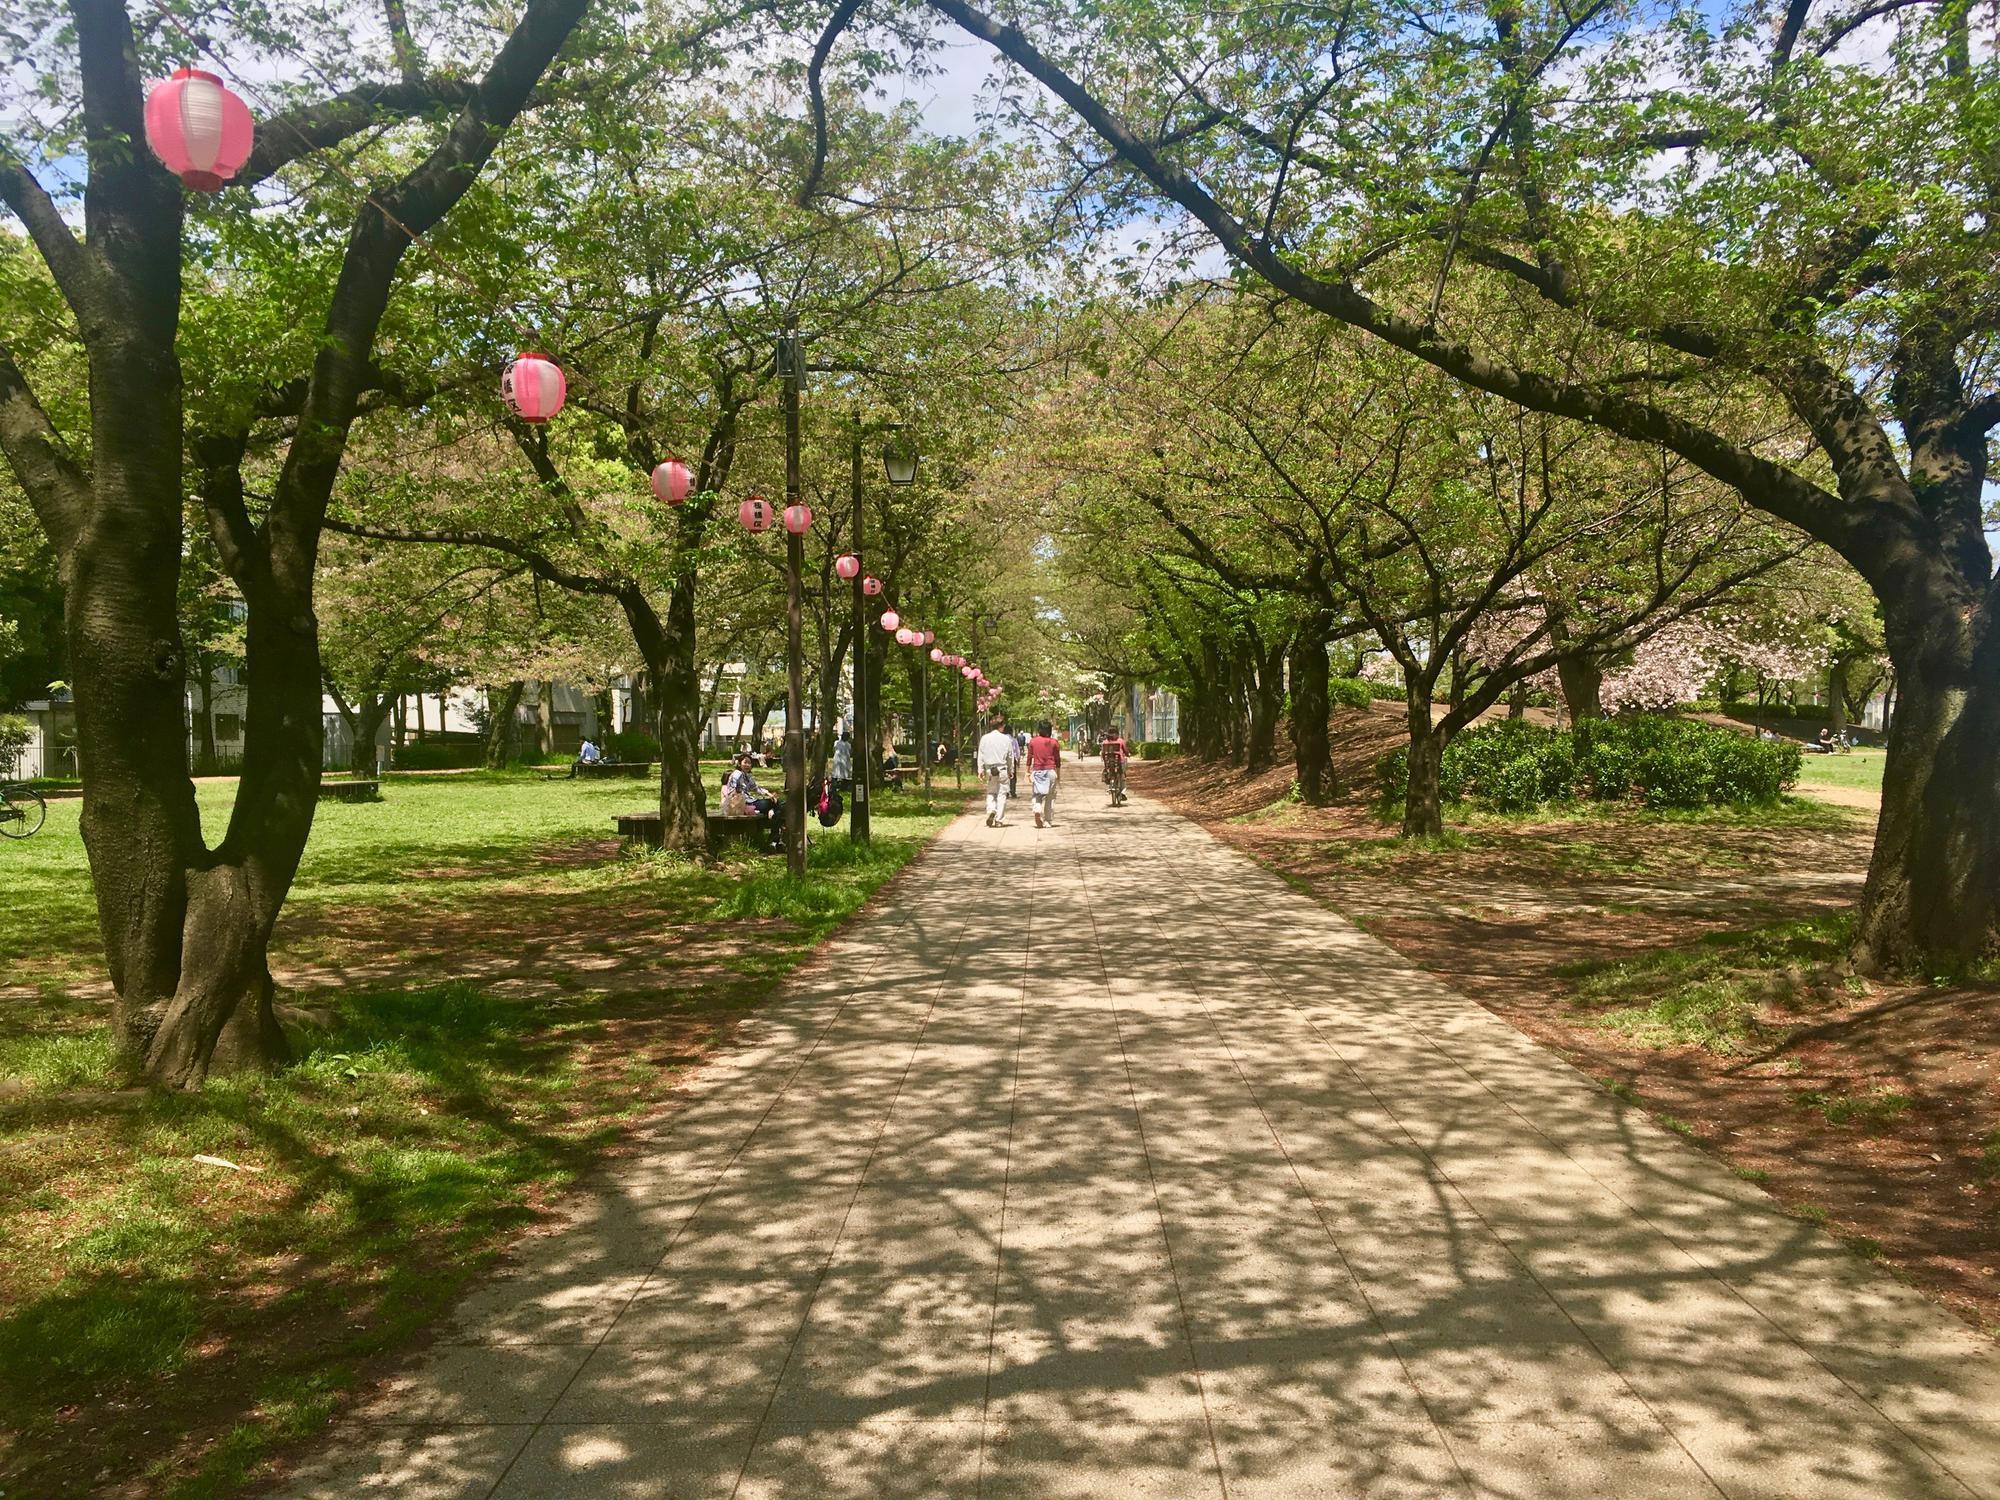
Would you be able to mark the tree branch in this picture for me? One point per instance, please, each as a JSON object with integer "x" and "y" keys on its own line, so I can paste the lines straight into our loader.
{"x": 57, "y": 486}
{"x": 843, "y": 14}
{"x": 1845, "y": 526}
{"x": 33, "y": 206}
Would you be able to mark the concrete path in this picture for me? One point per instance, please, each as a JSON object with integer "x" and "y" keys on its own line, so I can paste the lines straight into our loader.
{"x": 1100, "y": 1163}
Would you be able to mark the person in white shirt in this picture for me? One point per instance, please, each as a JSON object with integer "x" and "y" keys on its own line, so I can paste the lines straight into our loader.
{"x": 843, "y": 761}
{"x": 996, "y": 765}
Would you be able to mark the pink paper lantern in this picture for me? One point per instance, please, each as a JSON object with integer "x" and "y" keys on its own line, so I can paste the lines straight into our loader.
{"x": 198, "y": 129}
{"x": 673, "y": 481}
{"x": 798, "y": 519}
{"x": 929, "y": 636}
{"x": 891, "y": 620}
{"x": 533, "y": 385}
{"x": 871, "y": 586}
{"x": 906, "y": 637}
{"x": 847, "y": 565}
{"x": 966, "y": 673}
{"x": 756, "y": 514}
{"x": 936, "y": 655}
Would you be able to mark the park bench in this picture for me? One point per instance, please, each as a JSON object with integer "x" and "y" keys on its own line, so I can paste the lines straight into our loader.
{"x": 353, "y": 789}
{"x": 720, "y": 829}
{"x": 615, "y": 770}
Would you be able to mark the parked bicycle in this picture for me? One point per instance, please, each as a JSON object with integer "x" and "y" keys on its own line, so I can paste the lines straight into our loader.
{"x": 22, "y": 811}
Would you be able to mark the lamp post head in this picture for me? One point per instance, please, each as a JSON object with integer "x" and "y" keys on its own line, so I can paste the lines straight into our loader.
{"x": 899, "y": 461}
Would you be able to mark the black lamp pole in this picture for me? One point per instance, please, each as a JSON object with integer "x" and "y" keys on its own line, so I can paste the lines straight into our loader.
{"x": 864, "y": 746}
{"x": 791, "y": 367}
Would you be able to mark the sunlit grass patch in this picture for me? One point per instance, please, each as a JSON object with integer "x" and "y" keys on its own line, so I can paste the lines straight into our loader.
{"x": 1709, "y": 995}
{"x": 1871, "y": 1111}
{"x": 421, "y": 1119}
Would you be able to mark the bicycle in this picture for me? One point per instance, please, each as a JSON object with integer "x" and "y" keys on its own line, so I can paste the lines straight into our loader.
{"x": 22, "y": 812}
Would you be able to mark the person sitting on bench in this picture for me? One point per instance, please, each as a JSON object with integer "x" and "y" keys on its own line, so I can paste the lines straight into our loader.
{"x": 587, "y": 755}
{"x": 742, "y": 797}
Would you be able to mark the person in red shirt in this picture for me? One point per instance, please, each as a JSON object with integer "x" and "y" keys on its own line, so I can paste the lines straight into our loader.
{"x": 1044, "y": 769}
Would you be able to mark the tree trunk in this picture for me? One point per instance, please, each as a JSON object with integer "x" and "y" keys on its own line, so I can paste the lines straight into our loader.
{"x": 1312, "y": 753}
{"x": 363, "y": 727}
{"x": 677, "y": 697}
{"x": 545, "y": 717}
{"x": 1836, "y": 697}
{"x": 207, "y": 719}
{"x": 1423, "y": 803}
{"x": 420, "y": 715}
{"x": 1933, "y": 892}
{"x": 1582, "y": 686}
{"x": 500, "y": 719}
{"x": 1267, "y": 704}
{"x": 1517, "y": 700}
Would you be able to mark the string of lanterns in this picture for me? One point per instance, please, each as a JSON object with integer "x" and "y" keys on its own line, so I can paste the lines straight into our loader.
{"x": 204, "y": 133}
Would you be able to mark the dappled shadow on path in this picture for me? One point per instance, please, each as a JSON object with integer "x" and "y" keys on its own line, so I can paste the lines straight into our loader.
{"x": 1101, "y": 1163}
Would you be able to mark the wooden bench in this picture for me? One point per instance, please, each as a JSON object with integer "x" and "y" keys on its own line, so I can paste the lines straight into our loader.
{"x": 352, "y": 789}
{"x": 721, "y": 829}
{"x": 648, "y": 829}
{"x": 615, "y": 770}
{"x": 641, "y": 828}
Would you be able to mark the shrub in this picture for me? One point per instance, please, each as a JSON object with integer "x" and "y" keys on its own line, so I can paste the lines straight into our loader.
{"x": 14, "y": 737}
{"x": 439, "y": 755}
{"x": 1351, "y": 692}
{"x": 1157, "y": 749}
{"x": 1512, "y": 765}
{"x": 1669, "y": 762}
{"x": 631, "y": 744}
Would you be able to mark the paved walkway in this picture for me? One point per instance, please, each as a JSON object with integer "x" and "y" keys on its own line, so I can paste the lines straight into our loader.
{"x": 1100, "y": 1163}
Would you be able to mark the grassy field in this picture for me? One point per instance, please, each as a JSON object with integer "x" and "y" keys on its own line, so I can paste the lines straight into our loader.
{"x": 482, "y": 992}
{"x": 1860, "y": 769}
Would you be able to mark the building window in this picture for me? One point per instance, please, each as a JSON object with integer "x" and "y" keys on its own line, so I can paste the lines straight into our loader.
{"x": 228, "y": 727}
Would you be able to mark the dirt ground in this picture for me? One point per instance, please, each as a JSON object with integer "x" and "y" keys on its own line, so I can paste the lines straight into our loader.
{"x": 1872, "y": 1108}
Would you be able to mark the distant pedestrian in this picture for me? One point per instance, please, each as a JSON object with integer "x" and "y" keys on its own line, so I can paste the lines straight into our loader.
{"x": 996, "y": 769}
{"x": 1044, "y": 770}
{"x": 843, "y": 763}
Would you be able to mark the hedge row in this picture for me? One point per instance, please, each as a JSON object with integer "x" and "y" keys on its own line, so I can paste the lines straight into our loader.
{"x": 1512, "y": 765}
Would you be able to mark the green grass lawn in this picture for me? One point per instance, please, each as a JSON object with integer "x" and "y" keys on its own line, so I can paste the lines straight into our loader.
{"x": 1860, "y": 769}
{"x": 482, "y": 992}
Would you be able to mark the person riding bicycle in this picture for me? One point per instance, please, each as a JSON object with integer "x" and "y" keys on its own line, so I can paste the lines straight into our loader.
{"x": 1112, "y": 751}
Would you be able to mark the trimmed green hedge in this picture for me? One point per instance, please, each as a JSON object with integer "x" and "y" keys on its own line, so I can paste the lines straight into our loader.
{"x": 1352, "y": 692}
{"x": 1652, "y": 759}
{"x": 1157, "y": 749}
{"x": 631, "y": 744}
{"x": 439, "y": 755}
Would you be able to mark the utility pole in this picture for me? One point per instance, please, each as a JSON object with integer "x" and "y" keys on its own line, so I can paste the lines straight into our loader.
{"x": 923, "y": 714}
{"x": 858, "y": 830}
{"x": 791, "y": 366}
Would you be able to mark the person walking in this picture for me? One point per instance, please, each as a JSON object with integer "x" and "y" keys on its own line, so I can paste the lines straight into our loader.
{"x": 1019, "y": 742}
{"x": 996, "y": 769}
{"x": 843, "y": 763}
{"x": 1044, "y": 770}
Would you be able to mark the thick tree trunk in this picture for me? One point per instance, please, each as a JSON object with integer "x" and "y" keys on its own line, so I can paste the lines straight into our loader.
{"x": 1933, "y": 892}
{"x": 677, "y": 697}
{"x": 1517, "y": 701}
{"x": 500, "y": 717}
{"x": 364, "y": 727}
{"x": 1582, "y": 686}
{"x": 1836, "y": 697}
{"x": 1423, "y": 803}
{"x": 1312, "y": 753}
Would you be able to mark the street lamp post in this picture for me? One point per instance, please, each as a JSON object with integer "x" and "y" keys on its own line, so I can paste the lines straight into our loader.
{"x": 858, "y": 828}
{"x": 791, "y": 364}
